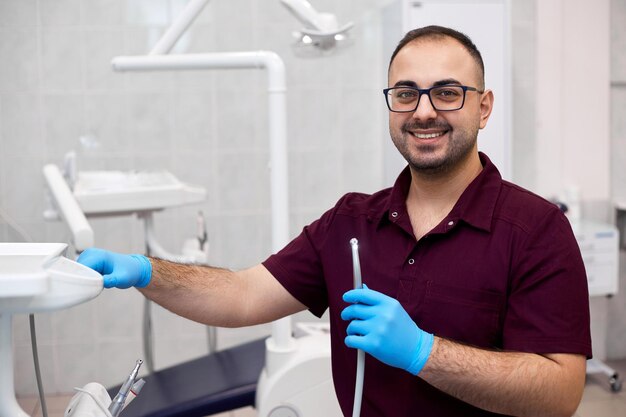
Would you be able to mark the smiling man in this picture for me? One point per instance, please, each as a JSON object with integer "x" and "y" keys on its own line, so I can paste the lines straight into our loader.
{"x": 476, "y": 301}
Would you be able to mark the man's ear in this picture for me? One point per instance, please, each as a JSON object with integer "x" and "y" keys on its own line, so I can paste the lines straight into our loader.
{"x": 486, "y": 106}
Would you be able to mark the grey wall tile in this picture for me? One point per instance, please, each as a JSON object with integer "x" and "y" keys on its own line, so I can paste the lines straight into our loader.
{"x": 232, "y": 337}
{"x": 149, "y": 122}
{"x": 362, "y": 111}
{"x": 172, "y": 352}
{"x": 61, "y": 60}
{"x": 194, "y": 122}
{"x": 18, "y": 13}
{"x": 74, "y": 325}
{"x": 43, "y": 328}
{"x": 238, "y": 116}
{"x": 103, "y": 12}
{"x": 117, "y": 315}
{"x": 99, "y": 48}
{"x": 244, "y": 182}
{"x": 18, "y": 52}
{"x": 64, "y": 123}
{"x": 313, "y": 184}
{"x": 29, "y": 230}
{"x": 314, "y": 120}
{"x": 68, "y": 373}
{"x": 60, "y": 12}
{"x": 145, "y": 12}
{"x": 24, "y": 184}
{"x": 25, "y": 383}
{"x": 21, "y": 125}
{"x": 115, "y": 359}
{"x": 243, "y": 240}
{"x": 361, "y": 173}
{"x": 107, "y": 122}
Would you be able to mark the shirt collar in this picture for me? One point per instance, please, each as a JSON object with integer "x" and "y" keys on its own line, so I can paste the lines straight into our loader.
{"x": 475, "y": 206}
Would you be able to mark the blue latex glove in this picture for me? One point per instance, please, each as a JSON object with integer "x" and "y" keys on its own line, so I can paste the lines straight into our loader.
{"x": 380, "y": 326}
{"x": 118, "y": 270}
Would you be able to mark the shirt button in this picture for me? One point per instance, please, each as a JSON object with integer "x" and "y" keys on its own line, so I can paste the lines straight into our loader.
{"x": 411, "y": 261}
{"x": 394, "y": 214}
{"x": 450, "y": 223}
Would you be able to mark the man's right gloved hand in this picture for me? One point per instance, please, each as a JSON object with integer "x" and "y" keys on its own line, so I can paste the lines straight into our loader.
{"x": 118, "y": 270}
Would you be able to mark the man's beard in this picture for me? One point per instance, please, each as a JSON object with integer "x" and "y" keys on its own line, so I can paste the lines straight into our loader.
{"x": 420, "y": 157}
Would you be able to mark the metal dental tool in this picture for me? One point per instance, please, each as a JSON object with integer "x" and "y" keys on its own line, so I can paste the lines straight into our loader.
{"x": 134, "y": 391}
{"x": 120, "y": 399}
{"x": 360, "y": 364}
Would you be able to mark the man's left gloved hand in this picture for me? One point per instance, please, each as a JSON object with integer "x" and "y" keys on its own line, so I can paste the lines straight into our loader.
{"x": 380, "y": 326}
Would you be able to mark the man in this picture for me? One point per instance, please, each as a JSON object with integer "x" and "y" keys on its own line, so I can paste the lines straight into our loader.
{"x": 476, "y": 300}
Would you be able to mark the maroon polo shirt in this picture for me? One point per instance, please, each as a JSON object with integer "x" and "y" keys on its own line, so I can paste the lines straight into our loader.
{"x": 502, "y": 271}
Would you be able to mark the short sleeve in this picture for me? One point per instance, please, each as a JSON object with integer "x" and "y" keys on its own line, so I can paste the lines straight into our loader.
{"x": 548, "y": 303}
{"x": 298, "y": 266}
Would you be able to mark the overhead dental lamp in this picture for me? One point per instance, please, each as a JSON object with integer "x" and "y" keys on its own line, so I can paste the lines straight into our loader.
{"x": 321, "y": 31}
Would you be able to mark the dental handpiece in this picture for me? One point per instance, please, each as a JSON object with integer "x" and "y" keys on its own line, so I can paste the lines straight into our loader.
{"x": 360, "y": 362}
{"x": 356, "y": 264}
{"x": 118, "y": 402}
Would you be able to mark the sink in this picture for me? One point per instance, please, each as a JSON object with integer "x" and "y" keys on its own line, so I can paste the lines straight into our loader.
{"x": 37, "y": 277}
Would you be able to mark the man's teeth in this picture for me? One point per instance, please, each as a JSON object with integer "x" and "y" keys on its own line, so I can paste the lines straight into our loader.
{"x": 427, "y": 135}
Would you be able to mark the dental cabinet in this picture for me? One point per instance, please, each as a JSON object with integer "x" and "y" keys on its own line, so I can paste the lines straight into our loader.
{"x": 600, "y": 251}
{"x": 599, "y": 247}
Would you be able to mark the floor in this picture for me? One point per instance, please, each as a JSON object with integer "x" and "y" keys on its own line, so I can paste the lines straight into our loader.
{"x": 598, "y": 400}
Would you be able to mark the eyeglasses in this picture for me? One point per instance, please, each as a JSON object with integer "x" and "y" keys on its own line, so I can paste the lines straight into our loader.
{"x": 442, "y": 98}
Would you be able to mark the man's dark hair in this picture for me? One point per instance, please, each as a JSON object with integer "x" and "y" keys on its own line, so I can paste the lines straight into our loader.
{"x": 440, "y": 32}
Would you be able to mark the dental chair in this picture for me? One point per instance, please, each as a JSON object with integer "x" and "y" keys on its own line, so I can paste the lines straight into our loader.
{"x": 221, "y": 381}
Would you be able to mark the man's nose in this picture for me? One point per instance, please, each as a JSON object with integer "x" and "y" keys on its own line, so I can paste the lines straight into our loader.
{"x": 425, "y": 109}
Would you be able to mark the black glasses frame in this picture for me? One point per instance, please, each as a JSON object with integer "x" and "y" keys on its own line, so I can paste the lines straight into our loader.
{"x": 422, "y": 91}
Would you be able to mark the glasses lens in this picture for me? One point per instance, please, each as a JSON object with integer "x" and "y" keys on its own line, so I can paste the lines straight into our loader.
{"x": 447, "y": 97}
{"x": 402, "y": 99}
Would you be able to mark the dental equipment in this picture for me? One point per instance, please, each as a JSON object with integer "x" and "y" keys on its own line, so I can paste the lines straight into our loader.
{"x": 281, "y": 339}
{"x": 35, "y": 277}
{"x": 360, "y": 362}
{"x": 116, "y": 406}
{"x": 297, "y": 373}
{"x": 321, "y": 29}
{"x": 134, "y": 391}
{"x": 105, "y": 193}
{"x": 68, "y": 208}
{"x": 94, "y": 400}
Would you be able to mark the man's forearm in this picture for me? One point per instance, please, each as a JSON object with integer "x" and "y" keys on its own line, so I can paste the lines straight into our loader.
{"x": 219, "y": 297}
{"x": 519, "y": 384}
{"x": 204, "y": 294}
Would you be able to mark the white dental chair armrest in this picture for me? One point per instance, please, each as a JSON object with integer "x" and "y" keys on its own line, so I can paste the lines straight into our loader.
{"x": 68, "y": 207}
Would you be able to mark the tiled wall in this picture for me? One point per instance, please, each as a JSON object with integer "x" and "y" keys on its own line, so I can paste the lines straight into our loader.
{"x": 208, "y": 128}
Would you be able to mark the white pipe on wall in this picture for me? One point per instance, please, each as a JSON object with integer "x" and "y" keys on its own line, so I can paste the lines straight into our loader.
{"x": 281, "y": 329}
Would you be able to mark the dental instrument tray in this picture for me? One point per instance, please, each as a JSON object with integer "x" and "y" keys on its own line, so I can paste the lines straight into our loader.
{"x": 36, "y": 277}
{"x": 108, "y": 192}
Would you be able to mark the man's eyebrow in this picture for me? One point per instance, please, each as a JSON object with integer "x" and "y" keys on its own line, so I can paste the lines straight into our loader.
{"x": 447, "y": 81}
{"x": 409, "y": 83}
{"x": 405, "y": 83}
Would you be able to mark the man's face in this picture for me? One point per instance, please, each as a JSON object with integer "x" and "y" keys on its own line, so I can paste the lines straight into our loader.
{"x": 436, "y": 141}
